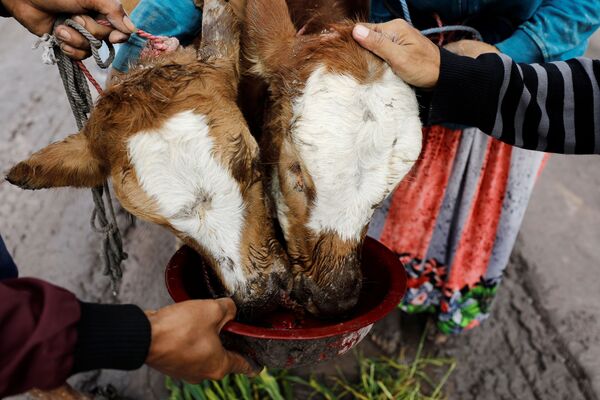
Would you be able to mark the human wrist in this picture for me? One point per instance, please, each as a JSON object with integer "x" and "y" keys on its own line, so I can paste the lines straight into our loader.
{"x": 433, "y": 76}
{"x": 156, "y": 333}
{"x": 419, "y": 67}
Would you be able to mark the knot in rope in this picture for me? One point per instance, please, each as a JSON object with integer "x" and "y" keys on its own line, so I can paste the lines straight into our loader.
{"x": 47, "y": 42}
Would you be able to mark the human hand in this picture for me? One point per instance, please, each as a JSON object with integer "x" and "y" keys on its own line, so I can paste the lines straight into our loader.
{"x": 185, "y": 341}
{"x": 39, "y": 16}
{"x": 471, "y": 48}
{"x": 412, "y": 56}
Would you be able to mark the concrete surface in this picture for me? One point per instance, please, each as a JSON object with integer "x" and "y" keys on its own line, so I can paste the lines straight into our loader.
{"x": 543, "y": 339}
{"x": 542, "y": 342}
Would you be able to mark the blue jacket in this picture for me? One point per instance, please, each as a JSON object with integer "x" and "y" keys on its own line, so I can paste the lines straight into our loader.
{"x": 178, "y": 18}
{"x": 527, "y": 30}
{"x": 533, "y": 30}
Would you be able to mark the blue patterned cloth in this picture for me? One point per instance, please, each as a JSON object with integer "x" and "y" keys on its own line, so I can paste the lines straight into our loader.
{"x": 8, "y": 269}
{"x": 174, "y": 18}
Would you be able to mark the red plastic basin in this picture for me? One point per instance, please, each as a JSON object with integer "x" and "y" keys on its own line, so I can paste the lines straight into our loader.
{"x": 270, "y": 343}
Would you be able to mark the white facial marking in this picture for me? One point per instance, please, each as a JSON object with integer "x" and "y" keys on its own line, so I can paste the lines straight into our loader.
{"x": 357, "y": 142}
{"x": 194, "y": 191}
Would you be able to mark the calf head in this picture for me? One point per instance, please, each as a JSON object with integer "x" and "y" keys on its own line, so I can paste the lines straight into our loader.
{"x": 341, "y": 133}
{"x": 179, "y": 153}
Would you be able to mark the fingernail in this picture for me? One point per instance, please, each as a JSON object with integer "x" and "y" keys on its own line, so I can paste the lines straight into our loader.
{"x": 63, "y": 34}
{"x": 67, "y": 49}
{"x": 129, "y": 24}
{"x": 118, "y": 37}
{"x": 361, "y": 31}
{"x": 80, "y": 21}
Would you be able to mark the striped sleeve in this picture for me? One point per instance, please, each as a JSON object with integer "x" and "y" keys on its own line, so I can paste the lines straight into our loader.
{"x": 553, "y": 107}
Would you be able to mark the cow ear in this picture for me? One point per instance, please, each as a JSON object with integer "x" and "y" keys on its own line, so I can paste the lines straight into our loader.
{"x": 270, "y": 35}
{"x": 70, "y": 162}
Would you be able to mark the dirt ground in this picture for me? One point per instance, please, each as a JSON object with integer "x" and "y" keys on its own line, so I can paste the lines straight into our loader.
{"x": 542, "y": 342}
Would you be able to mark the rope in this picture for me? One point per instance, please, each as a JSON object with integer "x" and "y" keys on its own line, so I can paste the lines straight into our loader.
{"x": 73, "y": 75}
{"x": 90, "y": 77}
{"x": 95, "y": 44}
{"x": 156, "y": 44}
{"x": 440, "y": 29}
{"x": 442, "y": 36}
{"x": 454, "y": 28}
{"x": 405, "y": 11}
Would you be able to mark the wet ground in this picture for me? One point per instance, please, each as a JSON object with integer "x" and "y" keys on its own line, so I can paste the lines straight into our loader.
{"x": 542, "y": 342}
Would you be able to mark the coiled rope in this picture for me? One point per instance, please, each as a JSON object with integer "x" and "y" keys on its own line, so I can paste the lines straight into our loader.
{"x": 73, "y": 75}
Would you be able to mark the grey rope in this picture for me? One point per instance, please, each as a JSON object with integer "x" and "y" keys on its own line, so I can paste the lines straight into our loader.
{"x": 103, "y": 218}
{"x": 405, "y": 11}
{"x": 448, "y": 28}
{"x": 454, "y": 28}
{"x": 95, "y": 45}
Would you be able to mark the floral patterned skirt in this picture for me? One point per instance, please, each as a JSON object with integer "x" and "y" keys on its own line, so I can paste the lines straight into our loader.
{"x": 454, "y": 220}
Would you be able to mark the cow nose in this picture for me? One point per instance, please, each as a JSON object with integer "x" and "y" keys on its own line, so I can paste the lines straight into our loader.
{"x": 333, "y": 297}
{"x": 263, "y": 293}
{"x": 330, "y": 309}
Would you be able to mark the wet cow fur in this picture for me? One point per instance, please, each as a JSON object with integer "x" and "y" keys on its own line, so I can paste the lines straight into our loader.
{"x": 179, "y": 152}
{"x": 340, "y": 133}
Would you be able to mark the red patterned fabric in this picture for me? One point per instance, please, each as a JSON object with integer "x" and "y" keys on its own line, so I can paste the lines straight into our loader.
{"x": 417, "y": 200}
{"x": 479, "y": 233}
{"x": 416, "y": 204}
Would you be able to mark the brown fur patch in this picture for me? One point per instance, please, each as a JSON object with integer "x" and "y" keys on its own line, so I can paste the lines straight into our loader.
{"x": 312, "y": 16}
{"x": 326, "y": 268}
{"x": 206, "y": 83}
{"x": 70, "y": 162}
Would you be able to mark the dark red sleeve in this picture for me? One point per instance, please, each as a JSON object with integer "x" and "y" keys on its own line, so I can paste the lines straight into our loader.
{"x": 38, "y": 334}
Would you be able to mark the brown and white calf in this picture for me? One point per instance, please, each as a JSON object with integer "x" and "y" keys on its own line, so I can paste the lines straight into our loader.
{"x": 341, "y": 133}
{"x": 180, "y": 154}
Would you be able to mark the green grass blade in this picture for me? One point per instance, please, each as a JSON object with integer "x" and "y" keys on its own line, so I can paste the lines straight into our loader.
{"x": 385, "y": 390}
{"x": 243, "y": 384}
{"x": 211, "y": 395}
{"x": 270, "y": 385}
{"x": 379, "y": 379}
{"x": 418, "y": 355}
{"x": 438, "y": 389}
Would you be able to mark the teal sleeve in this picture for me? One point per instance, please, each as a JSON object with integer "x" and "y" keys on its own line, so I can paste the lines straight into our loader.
{"x": 522, "y": 48}
{"x": 174, "y": 18}
{"x": 558, "y": 30}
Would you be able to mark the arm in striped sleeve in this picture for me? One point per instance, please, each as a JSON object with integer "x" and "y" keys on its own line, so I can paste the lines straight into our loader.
{"x": 553, "y": 107}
